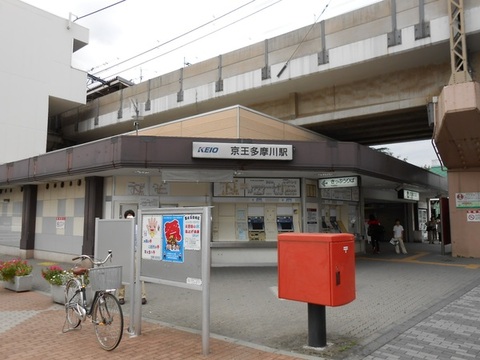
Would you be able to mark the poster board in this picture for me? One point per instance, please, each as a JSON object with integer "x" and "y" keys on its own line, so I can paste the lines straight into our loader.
{"x": 175, "y": 243}
{"x": 174, "y": 249}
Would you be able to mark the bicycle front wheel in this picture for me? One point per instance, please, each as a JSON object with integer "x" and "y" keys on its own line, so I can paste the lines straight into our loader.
{"x": 107, "y": 319}
{"x": 73, "y": 300}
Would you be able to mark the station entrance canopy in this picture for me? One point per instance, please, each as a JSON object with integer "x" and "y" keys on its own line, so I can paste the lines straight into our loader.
{"x": 168, "y": 148}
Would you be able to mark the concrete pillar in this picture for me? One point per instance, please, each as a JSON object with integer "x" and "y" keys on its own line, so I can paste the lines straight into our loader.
{"x": 29, "y": 216}
{"x": 457, "y": 137}
{"x": 463, "y": 229}
{"x": 93, "y": 209}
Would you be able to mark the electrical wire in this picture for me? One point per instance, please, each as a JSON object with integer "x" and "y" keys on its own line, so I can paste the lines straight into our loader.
{"x": 173, "y": 39}
{"x": 96, "y": 11}
{"x": 194, "y": 40}
{"x": 303, "y": 40}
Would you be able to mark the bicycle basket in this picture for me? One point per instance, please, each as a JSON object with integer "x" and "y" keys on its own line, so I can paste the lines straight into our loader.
{"x": 105, "y": 278}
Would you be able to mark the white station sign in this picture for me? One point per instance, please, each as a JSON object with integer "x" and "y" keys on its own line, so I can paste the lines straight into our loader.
{"x": 213, "y": 150}
{"x": 339, "y": 182}
{"x": 409, "y": 195}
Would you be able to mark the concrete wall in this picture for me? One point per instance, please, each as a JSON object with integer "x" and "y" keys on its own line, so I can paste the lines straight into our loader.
{"x": 363, "y": 76}
{"x": 36, "y": 73}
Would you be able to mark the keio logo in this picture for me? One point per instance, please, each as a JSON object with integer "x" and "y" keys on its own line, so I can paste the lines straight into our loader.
{"x": 207, "y": 149}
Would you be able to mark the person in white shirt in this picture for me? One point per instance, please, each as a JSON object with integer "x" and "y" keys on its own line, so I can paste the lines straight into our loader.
{"x": 398, "y": 236}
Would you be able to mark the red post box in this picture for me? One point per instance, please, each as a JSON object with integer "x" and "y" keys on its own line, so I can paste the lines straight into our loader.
{"x": 316, "y": 268}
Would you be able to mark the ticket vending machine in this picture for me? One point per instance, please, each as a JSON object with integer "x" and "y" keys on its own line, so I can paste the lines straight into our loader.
{"x": 285, "y": 224}
{"x": 256, "y": 228}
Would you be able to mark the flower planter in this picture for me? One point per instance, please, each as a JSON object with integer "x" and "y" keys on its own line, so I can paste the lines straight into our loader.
{"x": 20, "y": 283}
{"x": 58, "y": 293}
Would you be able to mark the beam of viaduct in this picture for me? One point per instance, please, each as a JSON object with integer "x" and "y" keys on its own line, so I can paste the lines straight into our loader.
{"x": 374, "y": 68}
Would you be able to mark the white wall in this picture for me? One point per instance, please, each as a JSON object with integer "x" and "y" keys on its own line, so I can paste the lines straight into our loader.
{"x": 35, "y": 65}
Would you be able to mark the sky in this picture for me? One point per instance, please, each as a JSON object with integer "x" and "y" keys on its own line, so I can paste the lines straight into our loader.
{"x": 419, "y": 153}
{"x": 142, "y": 39}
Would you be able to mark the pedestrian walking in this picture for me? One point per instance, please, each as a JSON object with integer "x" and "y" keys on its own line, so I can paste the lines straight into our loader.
{"x": 398, "y": 232}
{"x": 376, "y": 231}
{"x": 432, "y": 230}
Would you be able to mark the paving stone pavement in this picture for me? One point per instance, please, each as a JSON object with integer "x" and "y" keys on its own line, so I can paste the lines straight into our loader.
{"x": 37, "y": 333}
{"x": 452, "y": 332}
{"x": 423, "y": 305}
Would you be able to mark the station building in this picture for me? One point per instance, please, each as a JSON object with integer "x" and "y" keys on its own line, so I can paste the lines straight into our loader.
{"x": 262, "y": 177}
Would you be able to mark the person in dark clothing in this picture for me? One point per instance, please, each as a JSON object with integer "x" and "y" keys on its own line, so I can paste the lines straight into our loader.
{"x": 432, "y": 230}
{"x": 376, "y": 232}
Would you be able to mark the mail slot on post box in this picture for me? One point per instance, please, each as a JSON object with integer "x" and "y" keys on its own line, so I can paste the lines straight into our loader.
{"x": 316, "y": 268}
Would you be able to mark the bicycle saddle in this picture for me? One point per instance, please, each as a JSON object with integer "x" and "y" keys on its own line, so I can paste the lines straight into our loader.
{"x": 80, "y": 270}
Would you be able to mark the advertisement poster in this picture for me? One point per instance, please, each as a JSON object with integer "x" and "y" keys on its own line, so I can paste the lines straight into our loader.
{"x": 192, "y": 233}
{"x": 151, "y": 238}
{"x": 173, "y": 238}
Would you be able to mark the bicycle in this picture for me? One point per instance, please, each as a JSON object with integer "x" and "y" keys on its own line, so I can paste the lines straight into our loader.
{"x": 105, "y": 310}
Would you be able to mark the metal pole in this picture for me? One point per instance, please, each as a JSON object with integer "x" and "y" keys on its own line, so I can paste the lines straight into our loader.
{"x": 136, "y": 300}
{"x": 206, "y": 232}
{"x": 317, "y": 326}
{"x": 133, "y": 260}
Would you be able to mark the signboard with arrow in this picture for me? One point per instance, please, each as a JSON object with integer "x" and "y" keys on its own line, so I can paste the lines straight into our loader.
{"x": 339, "y": 182}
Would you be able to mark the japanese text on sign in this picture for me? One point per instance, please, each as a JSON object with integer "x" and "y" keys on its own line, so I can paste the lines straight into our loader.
{"x": 242, "y": 151}
{"x": 349, "y": 181}
{"x": 408, "y": 195}
{"x": 267, "y": 187}
{"x": 467, "y": 200}
{"x": 192, "y": 231}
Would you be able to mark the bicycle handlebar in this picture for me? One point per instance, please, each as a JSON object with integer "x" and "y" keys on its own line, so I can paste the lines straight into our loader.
{"x": 95, "y": 263}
